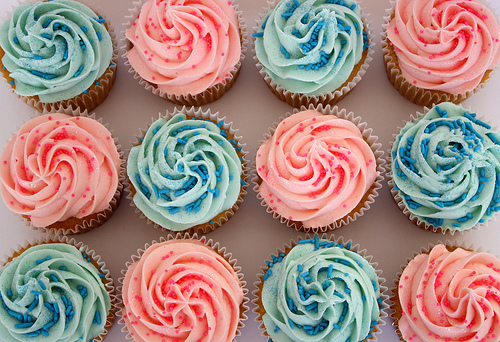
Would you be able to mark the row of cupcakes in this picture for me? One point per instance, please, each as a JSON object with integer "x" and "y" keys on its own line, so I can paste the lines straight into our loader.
{"x": 316, "y": 170}
{"x": 191, "y": 52}
{"x": 314, "y": 288}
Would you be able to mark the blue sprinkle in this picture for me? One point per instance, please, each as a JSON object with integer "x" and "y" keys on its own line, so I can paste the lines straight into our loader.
{"x": 258, "y": 34}
{"x": 46, "y": 36}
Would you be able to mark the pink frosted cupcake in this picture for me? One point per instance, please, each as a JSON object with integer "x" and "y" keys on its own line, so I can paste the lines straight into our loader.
{"x": 188, "y": 52}
{"x": 440, "y": 51}
{"x": 183, "y": 289}
{"x": 62, "y": 173}
{"x": 448, "y": 293}
{"x": 319, "y": 169}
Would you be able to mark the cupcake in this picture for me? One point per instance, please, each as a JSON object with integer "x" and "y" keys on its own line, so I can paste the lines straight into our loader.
{"x": 58, "y": 54}
{"x": 187, "y": 172}
{"x": 440, "y": 51}
{"x": 62, "y": 173}
{"x": 320, "y": 289}
{"x": 312, "y": 52}
{"x": 55, "y": 290}
{"x": 444, "y": 170}
{"x": 187, "y": 52}
{"x": 319, "y": 169}
{"x": 448, "y": 293}
{"x": 202, "y": 273}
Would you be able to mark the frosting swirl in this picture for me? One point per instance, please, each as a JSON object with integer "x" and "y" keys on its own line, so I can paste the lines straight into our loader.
{"x": 182, "y": 290}
{"x": 320, "y": 291}
{"x": 185, "y": 172}
{"x": 444, "y": 45}
{"x": 52, "y": 293}
{"x": 311, "y": 46}
{"x": 315, "y": 168}
{"x": 451, "y": 296}
{"x": 57, "y": 167}
{"x": 184, "y": 46}
{"x": 446, "y": 168}
{"x": 55, "y": 50}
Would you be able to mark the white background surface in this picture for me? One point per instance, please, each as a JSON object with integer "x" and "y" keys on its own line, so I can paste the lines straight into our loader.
{"x": 252, "y": 234}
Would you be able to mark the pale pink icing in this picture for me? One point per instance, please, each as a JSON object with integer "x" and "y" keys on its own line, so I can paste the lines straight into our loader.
{"x": 181, "y": 290}
{"x": 444, "y": 45}
{"x": 184, "y": 46}
{"x": 57, "y": 167}
{"x": 450, "y": 296}
{"x": 315, "y": 168}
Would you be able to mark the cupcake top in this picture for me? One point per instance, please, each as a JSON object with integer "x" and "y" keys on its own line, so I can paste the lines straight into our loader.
{"x": 444, "y": 45}
{"x": 311, "y": 46}
{"x": 320, "y": 291}
{"x": 57, "y": 167}
{"x": 446, "y": 168}
{"x": 184, "y": 47}
{"x": 52, "y": 292}
{"x": 450, "y": 294}
{"x": 315, "y": 168}
{"x": 181, "y": 290}
{"x": 55, "y": 50}
{"x": 185, "y": 172}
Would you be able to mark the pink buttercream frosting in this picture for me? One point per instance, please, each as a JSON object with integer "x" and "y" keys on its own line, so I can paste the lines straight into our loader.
{"x": 181, "y": 290}
{"x": 57, "y": 167}
{"x": 444, "y": 45}
{"x": 315, "y": 168}
{"x": 450, "y": 296}
{"x": 185, "y": 46}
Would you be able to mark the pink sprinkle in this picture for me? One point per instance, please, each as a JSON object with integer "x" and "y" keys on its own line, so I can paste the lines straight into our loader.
{"x": 222, "y": 54}
{"x": 194, "y": 66}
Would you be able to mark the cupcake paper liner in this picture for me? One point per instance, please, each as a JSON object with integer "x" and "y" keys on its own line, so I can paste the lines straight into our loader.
{"x": 183, "y": 236}
{"x": 298, "y": 99}
{"x": 95, "y": 260}
{"x": 95, "y": 95}
{"x": 417, "y": 95}
{"x": 399, "y": 200}
{"x": 384, "y": 305}
{"x": 92, "y": 221}
{"x": 209, "y": 95}
{"x": 394, "y": 303}
{"x": 225, "y": 215}
{"x": 368, "y": 198}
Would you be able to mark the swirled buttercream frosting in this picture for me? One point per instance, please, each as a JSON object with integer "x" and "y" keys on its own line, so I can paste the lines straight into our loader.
{"x": 446, "y": 168}
{"x": 55, "y": 50}
{"x": 51, "y": 292}
{"x": 315, "y": 168}
{"x": 450, "y": 294}
{"x": 320, "y": 291}
{"x": 185, "y": 172}
{"x": 444, "y": 45}
{"x": 181, "y": 290}
{"x": 59, "y": 167}
{"x": 184, "y": 46}
{"x": 311, "y": 46}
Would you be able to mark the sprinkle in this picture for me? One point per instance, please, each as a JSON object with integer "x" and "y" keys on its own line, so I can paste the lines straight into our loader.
{"x": 258, "y": 34}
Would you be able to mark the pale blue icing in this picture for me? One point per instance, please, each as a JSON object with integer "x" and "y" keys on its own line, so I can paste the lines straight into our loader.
{"x": 55, "y": 50}
{"x": 311, "y": 46}
{"x": 446, "y": 168}
{"x": 320, "y": 291}
{"x": 185, "y": 172}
